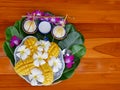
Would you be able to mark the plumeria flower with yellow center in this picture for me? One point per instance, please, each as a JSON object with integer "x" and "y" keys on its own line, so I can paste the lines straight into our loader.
{"x": 55, "y": 63}
{"x": 43, "y": 45}
{"x": 39, "y": 58}
{"x": 23, "y": 52}
{"x": 36, "y": 77}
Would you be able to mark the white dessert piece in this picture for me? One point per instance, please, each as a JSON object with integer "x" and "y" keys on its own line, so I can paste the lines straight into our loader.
{"x": 44, "y": 27}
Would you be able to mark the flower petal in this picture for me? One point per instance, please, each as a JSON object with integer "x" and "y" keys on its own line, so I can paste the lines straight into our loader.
{"x": 30, "y": 77}
{"x": 36, "y": 63}
{"x": 18, "y": 55}
{"x": 35, "y": 71}
{"x": 59, "y": 65}
{"x": 42, "y": 62}
{"x": 41, "y": 41}
{"x": 40, "y": 78}
{"x": 23, "y": 57}
{"x": 53, "y": 58}
{"x": 67, "y": 61}
{"x": 50, "y": 62}
{"x": 21, "y": 48}
{"x": 69, "y": 65}
{"x": 39, "y": 53}
{"x": 53, "y": 20}
{"x": 48, "y": 43}
{"x": 27, "y": 51}
{"x": 12, "y": 44}
{"x": 46, "y": 49}
{"x": 35, "y": 56}
{"x": 55, "y": 69}
{"x": 34, "y": 82}
{"x": 16, "y": 42}
{"x": 40, "y": 49}
{"x": 45, "y": 55}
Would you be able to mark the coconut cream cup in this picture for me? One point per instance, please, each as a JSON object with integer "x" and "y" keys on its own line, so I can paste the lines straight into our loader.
{"x": 44, "y": 27}
{"x": 29, "y": 26}
{"x": 59, "y": 32}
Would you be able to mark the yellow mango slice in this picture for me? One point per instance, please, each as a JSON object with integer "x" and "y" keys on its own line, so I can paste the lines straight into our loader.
{"x": 54, "y": 50}
{"x": 24, "y": 67}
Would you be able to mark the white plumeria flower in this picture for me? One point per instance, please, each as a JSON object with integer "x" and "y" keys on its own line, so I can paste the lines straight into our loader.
{"x": 23, "y": 52}
{"x": 43, "y": 45}
{"x": 55, "y": 63}
{"x": 36, "y": 76}
{"x": 39, "y": 58}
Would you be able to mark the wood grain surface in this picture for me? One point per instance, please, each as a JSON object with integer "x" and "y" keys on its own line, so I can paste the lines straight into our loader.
{"x": 97, "y": 20}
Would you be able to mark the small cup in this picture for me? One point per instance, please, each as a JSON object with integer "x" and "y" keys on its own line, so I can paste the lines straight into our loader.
{"x": 59, "y": 32}
{"x": 29, "y": 26}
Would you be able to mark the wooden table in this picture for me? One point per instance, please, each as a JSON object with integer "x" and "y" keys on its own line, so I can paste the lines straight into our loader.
{"x": 97, "y": 20}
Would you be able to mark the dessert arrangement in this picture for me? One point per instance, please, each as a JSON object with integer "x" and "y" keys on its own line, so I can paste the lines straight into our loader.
{"x": 44, "y": 48}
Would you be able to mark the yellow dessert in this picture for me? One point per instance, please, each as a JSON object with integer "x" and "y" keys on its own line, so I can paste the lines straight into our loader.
{"x": 31, "y": 44}
{"x": 54, "y": 50}
{"x": 48, "y": 74}
{"x": 24, "y": 67}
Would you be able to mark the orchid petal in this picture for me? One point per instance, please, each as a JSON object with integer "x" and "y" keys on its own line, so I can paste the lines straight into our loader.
{"x": 69, "y": 65}
{"x": 12, "y": 44}
{"x": 14, "y": 41}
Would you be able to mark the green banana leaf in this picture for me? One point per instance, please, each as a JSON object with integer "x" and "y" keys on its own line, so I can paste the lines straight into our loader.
{"x": 9, "y": 51}
{"x": 74, "y": 42}
{"x": 11, "y": 31}
{"x": 73, "y": 38}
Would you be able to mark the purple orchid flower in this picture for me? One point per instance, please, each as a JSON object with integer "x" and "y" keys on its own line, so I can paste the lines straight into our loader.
{"x": 39, "y": 13}
{"x": 46, "y": 17}
{"x": 57, "y": 21}
{"x": 62, "y": 22}
{"x": 34, "y": 14}
{"x": 15, "y": 41}
{"x": 54, "y": 20}
{"x": 29, "y": 16}
{"x": 69, "y": 60}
